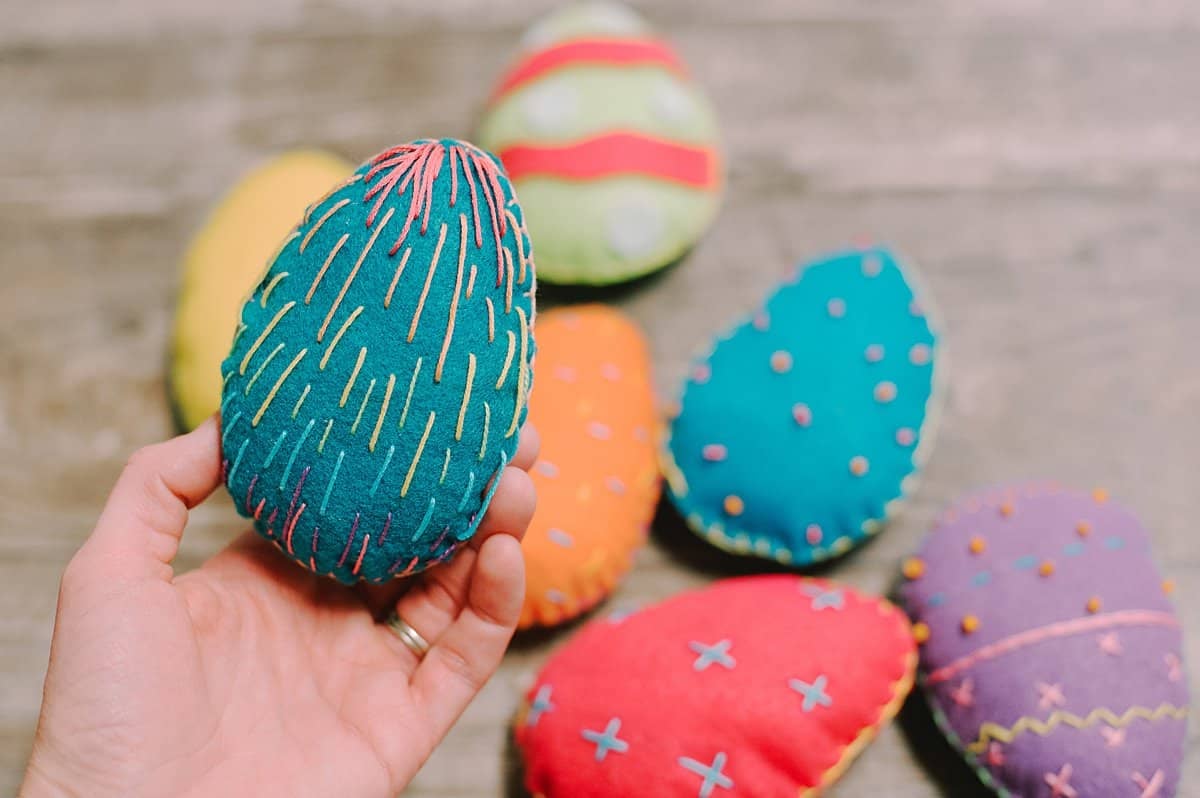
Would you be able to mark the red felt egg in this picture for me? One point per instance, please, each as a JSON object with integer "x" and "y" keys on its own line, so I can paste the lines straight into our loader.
{"x": 759, "y": 686}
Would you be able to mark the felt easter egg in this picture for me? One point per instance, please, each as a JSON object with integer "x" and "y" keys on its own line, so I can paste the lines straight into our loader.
{"x": 225, "y": 260}
{"x": 597, "y": 476}
{"x": 801, "y": 431}
{"x": 611, "y": 143}
{"x": 758, "y": 686}
{"x": 1051, "y": 656}
{"x": 378, "y": 379}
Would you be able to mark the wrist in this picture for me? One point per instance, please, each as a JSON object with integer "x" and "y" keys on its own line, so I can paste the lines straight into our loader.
{"x": 44, "y": 781}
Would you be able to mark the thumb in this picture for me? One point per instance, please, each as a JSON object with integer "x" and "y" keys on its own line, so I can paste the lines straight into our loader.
{"x": 139, "y": 530}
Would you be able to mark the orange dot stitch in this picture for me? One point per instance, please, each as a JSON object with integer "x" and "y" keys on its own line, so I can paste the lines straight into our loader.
{"x": 885, "y": 392}
{"x": 1168, "y": 586}
{"x": 1083, "y": 529}
{"x": 1093, "y": 605}
{"x": 1100, "y": 495}
{"x": 1006, "y": 509}
{"x": 920, "y": 632}
{"x": 913, "y": 568}
{"x": 977, "y": 545}
{"x": 969, "y": 624}
{"x": 734, "y": 505}
{"x": 781, "y": 362}
{"x": 858, "y": 465}
{"x": 1046, "y": 568}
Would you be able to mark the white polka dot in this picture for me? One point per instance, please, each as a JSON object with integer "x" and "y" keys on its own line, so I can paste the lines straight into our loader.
{"x": 555, "y": 596}
{"x": 874, "y": 353}
{"x": 564, "y": 373}
{"x": 872, "y": 265}
{"x": 546, "y": 468}
{"x": 615, "y": 485}
{"x": 560, "y": 537}
{"x": 905, "y": 436}
{"x": 672, "y": 101}
{"x": 551, "y": 107}
{"x": 836, "y": 308}
{"x": 610, "y": 372}
{"x": 635, "y": 228}
{"x": 701, "y": 373}
{"x": 612, "y": 18}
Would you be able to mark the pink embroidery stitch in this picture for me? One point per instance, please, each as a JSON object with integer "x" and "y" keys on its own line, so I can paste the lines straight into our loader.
{"x": 1174, "y": 667}
{"x": 995, "y": 754}
{"x": 1112, "y": 737}
{"x": 419, "y": 165}
{"x": 1060, "y": 786}
{"x": 1110, "y": 644}
{"x": 1150, "y": 788}
{"x": 1050, "y": 695}
{"x": 1051, "y": 631}
{"x": 250, "y": 491}
{"x": 964, "y": 694}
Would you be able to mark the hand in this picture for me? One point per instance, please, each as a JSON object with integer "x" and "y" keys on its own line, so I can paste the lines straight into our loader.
{"x": 251, "y": 676}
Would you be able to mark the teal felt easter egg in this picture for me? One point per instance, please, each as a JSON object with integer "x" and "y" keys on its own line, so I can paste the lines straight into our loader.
{"x": 806, "y": 425}
{"x": 379, "y": 377}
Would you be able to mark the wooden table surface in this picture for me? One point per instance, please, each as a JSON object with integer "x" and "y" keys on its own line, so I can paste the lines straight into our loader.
{"x": 1040, "y": 159}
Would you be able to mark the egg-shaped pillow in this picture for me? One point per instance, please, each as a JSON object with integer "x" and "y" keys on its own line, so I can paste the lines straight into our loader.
{"x": 610, "y": 142}
{"x": 597, "y": 477}
{"x": 758, "y": 686}
{"x": 1051, "y": 656}
{"x": 378, "y": 380}
{"x": 224, "y": 261}
{"x": 800, "y": 432}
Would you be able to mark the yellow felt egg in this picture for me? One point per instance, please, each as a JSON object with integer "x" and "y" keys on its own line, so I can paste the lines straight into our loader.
{"x": 224, "y": 262}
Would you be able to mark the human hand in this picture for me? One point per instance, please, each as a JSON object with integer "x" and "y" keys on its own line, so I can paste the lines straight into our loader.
{"x": 250, "y": 676}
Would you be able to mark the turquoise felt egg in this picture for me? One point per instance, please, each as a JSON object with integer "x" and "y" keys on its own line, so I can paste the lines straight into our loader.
{"x": 378, "y": 380}
{"x": 801, "y": 431}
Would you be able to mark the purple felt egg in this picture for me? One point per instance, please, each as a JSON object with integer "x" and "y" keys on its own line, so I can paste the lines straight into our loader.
{"x": 1051, "y": 655}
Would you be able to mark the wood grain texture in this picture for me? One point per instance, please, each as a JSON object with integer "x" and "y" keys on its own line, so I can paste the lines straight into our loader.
{"x": 1040, "y": 159}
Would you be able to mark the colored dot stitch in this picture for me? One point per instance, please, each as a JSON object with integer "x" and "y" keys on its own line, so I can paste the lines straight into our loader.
{"x": 905, "y": 436}
{"x": 610, "y": 372}
{"x": 546, "y": 468}
{"x": 714, "y": 452}
{"x": 969, "y": 624}
{"x": 734, "y": 505}
{"x": 871, "y": 265}
{"x": 1046, "y": 568}
{"x": 915, "y": 309}
{"x": 781, "y": 362}
{"x": 1168, "y": 586}
{"x": 885, "y": 391}
{"x": 1093, "y": 605}
{"x": 977, "y": 545}
{"x": 1083, "y": 529}
{"x": 859, "y": 465}
{"x": 801, "y": 414}
{"x": 813, "y": 534}
{"x": 1006, "y": 509}
{"x": 836, "y": 308}
{"x": 920, "y": 632}
{"x": 919, "y": 355}
{"x": 873, "y": 353}
{"x": 599, "y": 431}
{"x": 913, "y": 568}
{"x": 761, "y": 321}
{"x": 565, "y": 373}
{"x": 1100, "y": 495}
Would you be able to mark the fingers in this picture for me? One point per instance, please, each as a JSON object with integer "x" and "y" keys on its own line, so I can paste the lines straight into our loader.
{"x": 470, "y": 650}
{"x": 139, "y": 530}
{"x": 509, "y": 513}
{"x": 528, "y": 447}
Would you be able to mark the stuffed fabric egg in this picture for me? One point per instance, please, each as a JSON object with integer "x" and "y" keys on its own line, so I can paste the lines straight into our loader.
{"x": 378, "y": 380}
{"x": 801, "y": 431}
{"x": 610, "y": 142}
{"x": 224, "y": 261}
{"x": 597, "y": 476}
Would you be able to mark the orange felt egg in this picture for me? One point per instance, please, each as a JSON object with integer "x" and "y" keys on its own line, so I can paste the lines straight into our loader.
{"x": 597, "y": 480}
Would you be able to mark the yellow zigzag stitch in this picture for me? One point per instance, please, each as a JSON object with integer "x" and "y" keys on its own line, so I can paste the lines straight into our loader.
{"x": 993, "y": 731}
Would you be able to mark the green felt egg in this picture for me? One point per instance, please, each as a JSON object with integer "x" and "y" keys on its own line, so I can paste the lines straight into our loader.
{"x": 378, "y": 380}
{"x": 610, "y": 141}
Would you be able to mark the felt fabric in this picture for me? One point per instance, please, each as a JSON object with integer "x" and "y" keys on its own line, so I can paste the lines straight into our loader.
{"x": 796, "y": 437}
{"x": 378, "y": 381}
{"x": 597, "y": 477}
{"x": 1052, "y": 656}
{"x": 758, "y": 686}
{"x": 611, "y": 144}
{"x": 223, "y": 263}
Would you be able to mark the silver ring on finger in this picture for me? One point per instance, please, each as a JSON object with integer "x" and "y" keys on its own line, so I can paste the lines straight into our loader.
{"x": 409, "y": 636}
